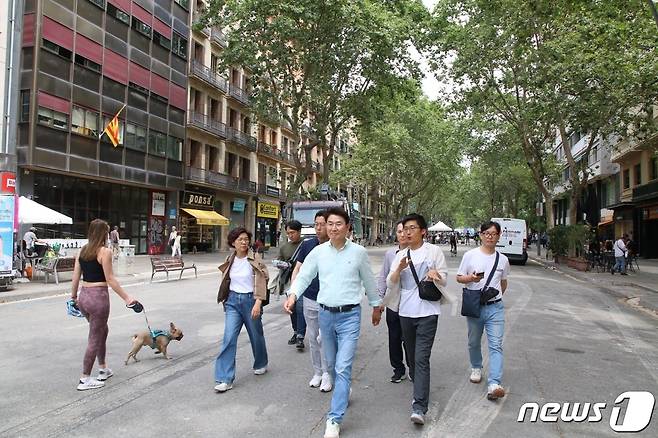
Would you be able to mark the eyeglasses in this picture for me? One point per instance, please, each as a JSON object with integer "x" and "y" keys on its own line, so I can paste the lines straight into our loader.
{"x": 489, "y": 235}
{"x": 411, "y": 228}
{"x": 242, "y": 239}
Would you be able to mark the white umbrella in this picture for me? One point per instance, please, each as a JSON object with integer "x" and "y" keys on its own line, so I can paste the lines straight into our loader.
{"x": 30, "y": 212}
{"x": 439, "y": 226}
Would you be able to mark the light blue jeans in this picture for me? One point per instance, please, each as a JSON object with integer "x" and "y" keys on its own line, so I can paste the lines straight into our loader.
{"x": 492, "y": 319}
{"x": 238, "y": 311}
{"x": 620, "y": 264}
{"x": 340, "y": 334}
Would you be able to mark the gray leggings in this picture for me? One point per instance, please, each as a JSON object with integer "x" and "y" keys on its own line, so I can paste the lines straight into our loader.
{"x": 94, "y": 302}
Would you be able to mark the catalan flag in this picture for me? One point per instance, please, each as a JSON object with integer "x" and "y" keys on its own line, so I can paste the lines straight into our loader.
{"x": 112, "y": 129}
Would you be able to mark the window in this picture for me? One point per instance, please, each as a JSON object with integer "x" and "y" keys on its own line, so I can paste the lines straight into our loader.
{"x": 135, "y": 137}
{"x": 174, "y": 148}
{"x": 157, "y": 143}
{"x": 185, "y": 4}
{"x": 654, "y": 166}
{"x": 162, "y": 40}
{"x": 142, "y": 28}
{"x": 80, "y": 60}
{"x": 99, "y": 3}
{"x": 179, "y": 45}
{"x": 53, "y": 118}
{"x": 637, "y": 174}
{"x": 627, "y": 178}
{"x": 106, "y": 121}
{"x": 84, "y": 121}
{"x": 117, "y": 13}
{"x": 58, "y": 50}
{"x": 25, "y": 106}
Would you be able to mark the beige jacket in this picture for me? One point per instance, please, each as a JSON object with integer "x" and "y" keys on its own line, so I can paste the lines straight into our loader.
{"x": 261, "y": 276}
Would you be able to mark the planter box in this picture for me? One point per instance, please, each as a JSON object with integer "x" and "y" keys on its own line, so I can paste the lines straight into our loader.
{"x": 578, "y": 264}
{"x": 562, "y": 260}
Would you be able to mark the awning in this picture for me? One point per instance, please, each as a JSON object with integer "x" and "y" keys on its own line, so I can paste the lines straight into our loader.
{"x": 30, "y": 212}
{"x": 604, "y": 223}
{"x": 207, "y": 217}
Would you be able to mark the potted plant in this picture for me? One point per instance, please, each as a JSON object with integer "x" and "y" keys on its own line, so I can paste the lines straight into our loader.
{"x": 578, "y": 236}
{"x": 558, "y": 243}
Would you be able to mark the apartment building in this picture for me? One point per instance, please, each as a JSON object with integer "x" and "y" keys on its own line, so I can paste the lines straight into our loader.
{"x": 81, "y": 62}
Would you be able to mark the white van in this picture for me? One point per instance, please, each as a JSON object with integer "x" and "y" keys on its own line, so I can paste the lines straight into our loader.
{"x": 513, "y": 239}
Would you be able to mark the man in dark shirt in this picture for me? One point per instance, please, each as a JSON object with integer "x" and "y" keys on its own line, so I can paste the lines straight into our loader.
{"x": 286, "y": 262}
{"x": 321, "y": 376}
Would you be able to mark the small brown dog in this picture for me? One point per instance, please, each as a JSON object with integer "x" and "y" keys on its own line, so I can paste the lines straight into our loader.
{"x": 158, "y": 339}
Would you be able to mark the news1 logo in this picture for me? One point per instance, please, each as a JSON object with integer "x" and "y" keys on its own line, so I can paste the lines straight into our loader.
{"x": 636, "y": 416}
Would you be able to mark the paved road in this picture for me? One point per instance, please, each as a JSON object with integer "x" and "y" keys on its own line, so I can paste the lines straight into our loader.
{"x": 565, "y": 342}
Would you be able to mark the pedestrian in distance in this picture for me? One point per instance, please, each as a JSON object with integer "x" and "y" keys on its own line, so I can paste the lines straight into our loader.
{"x": 397, "y": 349}
{"x": 419, "y": 318}
{"x": 285, "y": 262}
{"x": 343, "y": 269}
{"x": 114, "y": 240}
{"x": 321, "y": 377}
{"x": 474, "y": 271}
{"x": 94, "y": 267}
{"x": 620, "y": 255}
{"x": 176, "y": 248}
{"x": 243, "y": 292}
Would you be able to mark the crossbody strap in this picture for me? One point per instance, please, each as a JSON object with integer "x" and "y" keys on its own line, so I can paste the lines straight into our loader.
{"x": 413, "y": 269}
{"x": 493, "y": 270}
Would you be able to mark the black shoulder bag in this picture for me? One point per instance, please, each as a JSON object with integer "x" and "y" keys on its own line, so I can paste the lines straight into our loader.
{"x": 426, "y": 288}
{"x": 474, "y": 299}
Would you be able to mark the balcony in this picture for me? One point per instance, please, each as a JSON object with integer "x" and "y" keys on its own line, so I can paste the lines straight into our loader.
{"x": 241, "y": 138}
{"x": 273, "y": 153}
{"x": 308, "y": 131}
{"x": 239, "y": 94}
{"x": 220, "y": 180}
{"x": 264, "y": 189}
{"x": 645, "y": 191}
{"x": 218, "y": 37}
{"x": 204, "y": 122}
{"x": 205, "y": 73}
{"x": 196, "y": 20}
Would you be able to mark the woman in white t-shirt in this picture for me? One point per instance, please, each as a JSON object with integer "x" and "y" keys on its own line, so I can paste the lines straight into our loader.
{"x": 474, "y": 270}
{"x": 243, "y": 291}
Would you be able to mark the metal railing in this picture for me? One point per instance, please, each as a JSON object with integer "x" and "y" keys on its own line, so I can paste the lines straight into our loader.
{"x": 205, "y": 73}
{"x": 239, "y": 94}
{"x": 264, "y": 189}
{"x": 196, "y": 19}
{"x": 206, "y": 123}
{"x": 220, "y": 180}
{"x": 217, "y": 36}
{"x": 242, "y": 138}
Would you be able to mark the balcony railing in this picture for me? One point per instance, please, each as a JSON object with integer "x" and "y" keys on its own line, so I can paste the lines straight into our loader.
{"x": 206, "y": 74}
{"x": 239, "y": 94}
{"x": 196, "y": 19}
{"x": 264, "y": 189}
{"x": 269, "y": 151}
{"x": 217, "y": 36}
{"x": 206, "y": 123}
{"x": 306, "y": 129}
{"x": 241, "y": 138}
{"x": 220, "y": 180}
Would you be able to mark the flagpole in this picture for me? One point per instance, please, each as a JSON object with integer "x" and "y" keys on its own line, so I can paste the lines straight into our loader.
{"x": 116, "y": 115}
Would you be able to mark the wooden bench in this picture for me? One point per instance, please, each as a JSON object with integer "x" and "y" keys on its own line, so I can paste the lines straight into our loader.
{"x": 167, "y": 264}
{"x": 55, "y": 265}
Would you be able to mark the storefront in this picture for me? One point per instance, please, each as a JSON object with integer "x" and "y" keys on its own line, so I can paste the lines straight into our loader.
{"x": 648, "y": 231}
{"x": 137, "y": 211}
{"x": 267, "y": 220}
{"x": 200, "y": 223}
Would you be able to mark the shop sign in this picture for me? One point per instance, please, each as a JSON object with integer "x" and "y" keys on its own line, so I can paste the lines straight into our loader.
{"x": 652, "y": 212}
{"x": 6, "y": 232}
{"x": 265, "y": 209}
{"x": 8, "y": 182}
{"x": 158, "y": 204}
{"x": 197, "y": 199}
{"x": 238, "y": 205}
{"x": 607, "y": 215}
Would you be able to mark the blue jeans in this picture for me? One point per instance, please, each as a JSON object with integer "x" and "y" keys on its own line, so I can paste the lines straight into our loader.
{"x": 492, "y": 319}
{"x": 298, "y": 320}
{"x": 238, "y": 311}
{"x": 340, "y": 333}
{"x": 620, "y": 264}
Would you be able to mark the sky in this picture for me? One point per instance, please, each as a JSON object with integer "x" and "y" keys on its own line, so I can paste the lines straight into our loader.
{"x": 431, "y": 86}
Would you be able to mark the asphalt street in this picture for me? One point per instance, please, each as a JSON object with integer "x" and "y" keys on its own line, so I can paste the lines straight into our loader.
{"x": 566, "y": 341}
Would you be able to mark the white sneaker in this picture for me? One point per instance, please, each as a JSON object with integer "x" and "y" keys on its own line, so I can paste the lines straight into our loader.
{"x": 417, "y": 418}
{"x": 326, "y": 385}
{"x": 104, "y": 374}
{"x": 315, "y": 381}
{"x": 89, "y": 383}
{"x": 260, "y": 371}
{"x": 495, "y": 392}
{"x": 332, "y": 430}
{"x": 223, "y": 387}
{"x": 476, "y": 375}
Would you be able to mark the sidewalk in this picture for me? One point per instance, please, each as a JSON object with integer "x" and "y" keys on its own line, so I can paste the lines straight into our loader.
{"x": 139, "y": 271}
{"x": 638, "y": 289}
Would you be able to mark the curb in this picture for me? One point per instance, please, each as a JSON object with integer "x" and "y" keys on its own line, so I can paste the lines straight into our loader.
{"x": 630, "y": 301}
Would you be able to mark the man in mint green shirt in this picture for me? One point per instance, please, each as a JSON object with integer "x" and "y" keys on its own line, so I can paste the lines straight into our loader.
{"x": 342, "y": 267}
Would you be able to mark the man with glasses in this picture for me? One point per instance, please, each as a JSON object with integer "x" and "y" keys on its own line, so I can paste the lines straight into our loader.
{"x": 396, "y": 347}
{"x": 473, "y": 272}
{"x": 419, "y": 318}
{"x": 321, "y": 375}
{"x": 343, "y": 268}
